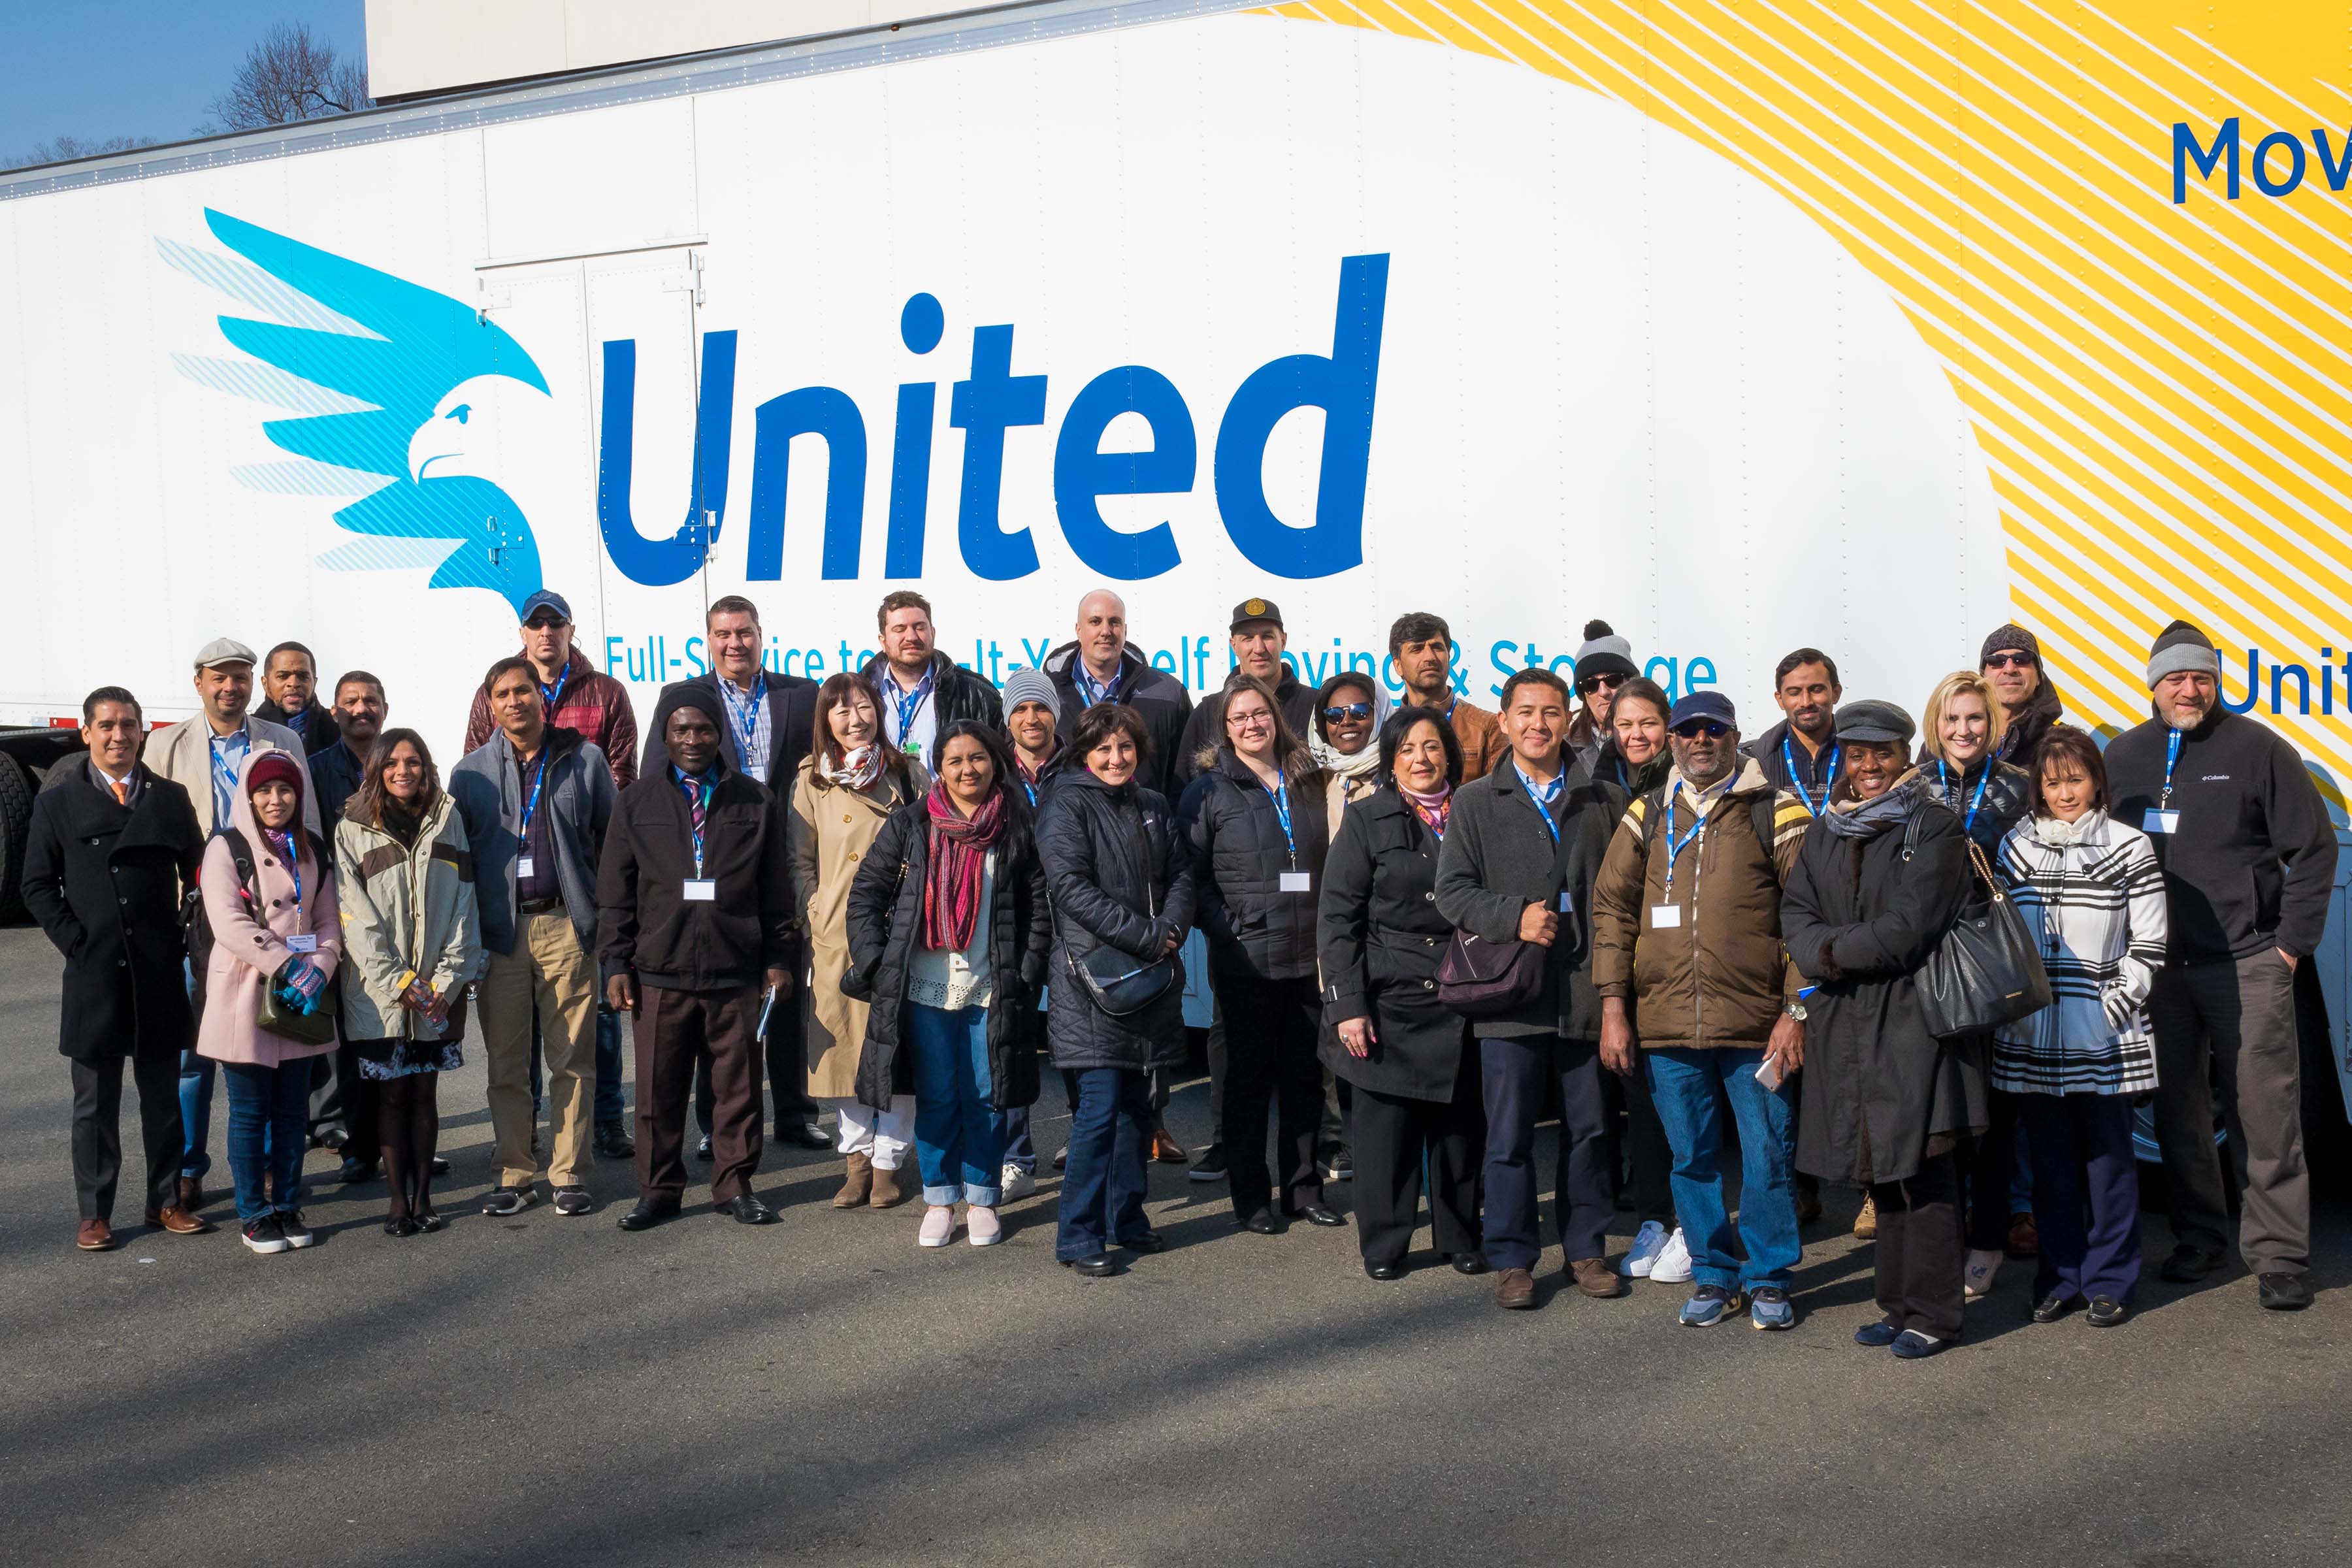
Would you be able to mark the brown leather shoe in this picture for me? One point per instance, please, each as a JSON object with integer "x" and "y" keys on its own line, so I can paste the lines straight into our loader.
{"x": 1865, "y": 1224}
{"x": 180, "y": 1222}
{"x": 192, "y": 1194}
{"x": 1167, "y": 1150}
{"x": 887, "y": 1193}
{"x": 1515, "y": 1290}
{"x": 2024, "y": 1236}
{"x": 95, "y": 1235}
{"x": 1809, "y": 1205}
{"x": 860, "y": 1185}
{"x": 1594, "y": 1278}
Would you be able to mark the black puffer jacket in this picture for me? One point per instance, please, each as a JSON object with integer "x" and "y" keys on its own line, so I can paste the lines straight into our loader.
{"x": 885, "y": 920}
{"x": 2006, "y": 795}
{"x": 1256, "y": 931}
{"x": 1382, "y": 941}
{"x": 1112, "y": 858}
{"x": 1859, "y": 918}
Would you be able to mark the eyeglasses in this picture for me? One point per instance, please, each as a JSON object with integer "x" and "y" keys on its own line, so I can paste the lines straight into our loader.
{"x": 1593, "y": 683}
{"x": 2009, "y": 661}
{"x": 545, "y": 619}
{"x": 1249, "y": 721}
{"x": 1347, "y": 710}
{"x": 1710, "y": 728}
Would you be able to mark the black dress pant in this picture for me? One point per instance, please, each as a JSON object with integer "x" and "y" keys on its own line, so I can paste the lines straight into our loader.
{"x": 1523, "y": 1077}
{"x": 1921, "y": 1250}
{"x": 1987, "y": 1168}
{"x": 1395, "y": 1137}
{"x": 677, "y": 1034}
{"x": 1271, "y": 1030}
{"x": 98, "y": 1130}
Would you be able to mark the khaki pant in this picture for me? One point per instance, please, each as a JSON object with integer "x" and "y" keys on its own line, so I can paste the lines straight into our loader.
{"x": 549, "y": 967}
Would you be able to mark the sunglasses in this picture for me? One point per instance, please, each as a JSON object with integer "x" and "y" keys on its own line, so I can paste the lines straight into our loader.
{"x": 1593, "y": 683}
{"x": 2009, "y": 661}
{"x": 545, "y": 619}
{"x": 1347, "y": 710}
{"x": 1710, "y": 728}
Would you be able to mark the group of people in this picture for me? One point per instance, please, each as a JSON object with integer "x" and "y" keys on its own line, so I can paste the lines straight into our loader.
{"x": 895, "y": 894}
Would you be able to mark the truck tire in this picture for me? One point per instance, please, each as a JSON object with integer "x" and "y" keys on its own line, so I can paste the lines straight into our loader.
{"x": 16, "y": 816}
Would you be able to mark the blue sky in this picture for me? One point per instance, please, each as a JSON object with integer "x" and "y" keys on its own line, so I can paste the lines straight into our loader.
{"x": 95, "y": 68}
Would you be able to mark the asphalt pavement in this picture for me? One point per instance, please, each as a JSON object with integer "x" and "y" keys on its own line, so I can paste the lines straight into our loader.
{"x": 544, "y": 1390}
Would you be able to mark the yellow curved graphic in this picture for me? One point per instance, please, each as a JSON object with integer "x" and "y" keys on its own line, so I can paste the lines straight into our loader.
{"x": 2159, "y": 386}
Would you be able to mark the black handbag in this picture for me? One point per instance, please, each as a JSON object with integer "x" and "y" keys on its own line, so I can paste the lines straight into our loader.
{"x": 1481, "y": 978}
{"x": 1987, "y": 970}
{"x": 1120, "y": 983}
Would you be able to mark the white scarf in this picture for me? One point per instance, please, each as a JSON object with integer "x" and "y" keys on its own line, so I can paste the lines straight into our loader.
{"x": 1343, "y": 764}
{"x": 858, "y": 770}
{"x": 2057, "y": 835}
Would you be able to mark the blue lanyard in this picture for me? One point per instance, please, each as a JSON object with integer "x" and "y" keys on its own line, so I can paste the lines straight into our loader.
{"x": 745, "y": 717}
{"x": 530, "y": 806}
{"x": 1968, "y": 822}
{"x": 909, "y": 703}
{"x": 294, "y": 863}
{"x": 1544, "y": 795}
{"x": 698, "y": 790}
{"x": 1674, "y": 847}
{"x": 225, "y": 776}
{"x": 1281, "y": 795}
{"x": 1093, "y": 690}
{"x": 554, "y": 694}
{"x": 2171, "y": 755}
{"x": 1031, "y": 791}
{"x": 1829, "y": 781}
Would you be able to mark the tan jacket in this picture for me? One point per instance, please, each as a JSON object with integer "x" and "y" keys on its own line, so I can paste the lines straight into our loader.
{"x": 828, "y": 833}
{"x": 406, "y": 913}
{"x": 182, "y": 752}
{"x": 1720, "y": 975}
{"x": 1480, "y": 734}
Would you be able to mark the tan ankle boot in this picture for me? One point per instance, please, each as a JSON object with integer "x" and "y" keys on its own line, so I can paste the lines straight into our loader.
{"x": 887, "y": 1193}
{"x": 854, "y": 1190}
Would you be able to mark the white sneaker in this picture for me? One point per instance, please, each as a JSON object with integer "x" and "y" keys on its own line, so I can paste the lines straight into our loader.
{"x": 1648, "y": 1242}
{"x": 939, "y": 1225}
{"x": 1017, "y": 1183}
{"x": 1975, "y": 1280}
{"x": 1673, "y": 1264}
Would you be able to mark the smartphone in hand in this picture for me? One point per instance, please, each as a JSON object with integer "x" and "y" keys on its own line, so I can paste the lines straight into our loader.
{"x": 1768, "y": 1077}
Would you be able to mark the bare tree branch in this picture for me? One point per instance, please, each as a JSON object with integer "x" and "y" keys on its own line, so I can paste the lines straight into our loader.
{"x": 291, "y": 74}
{"x": 59, "y": 149}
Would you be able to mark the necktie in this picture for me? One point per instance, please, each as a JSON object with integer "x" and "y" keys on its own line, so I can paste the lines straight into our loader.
{"x": 121, "y": 790}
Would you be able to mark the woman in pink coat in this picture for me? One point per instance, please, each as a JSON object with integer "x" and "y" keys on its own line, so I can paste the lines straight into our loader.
{"x": 281, "y": 929}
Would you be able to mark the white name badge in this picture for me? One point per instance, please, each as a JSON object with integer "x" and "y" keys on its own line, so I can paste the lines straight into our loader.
{"x": 524, "y": 866}
{"x": 700, "y": 889}
{"x": 307, "y": 942}
{"x": 1295, "y": 881}
{"x": 2160, "y": 821}
{"x": 1665, "y": 917}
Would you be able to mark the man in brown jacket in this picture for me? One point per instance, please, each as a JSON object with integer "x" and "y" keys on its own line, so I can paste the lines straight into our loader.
{"x": 1688, "y": 957}
{"x": 1421, "y": 645}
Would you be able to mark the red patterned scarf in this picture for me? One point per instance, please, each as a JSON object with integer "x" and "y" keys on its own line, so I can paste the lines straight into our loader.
{"x": 959, "y": 848}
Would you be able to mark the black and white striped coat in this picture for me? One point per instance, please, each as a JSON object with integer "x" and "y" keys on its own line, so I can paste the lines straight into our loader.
{"x": 2093, "y": 893}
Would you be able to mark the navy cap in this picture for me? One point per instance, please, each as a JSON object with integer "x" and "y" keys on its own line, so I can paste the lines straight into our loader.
{"x": 545, "y": 599}
{"x": 1880, "y": 724}
{"x": 1692, "y": 705}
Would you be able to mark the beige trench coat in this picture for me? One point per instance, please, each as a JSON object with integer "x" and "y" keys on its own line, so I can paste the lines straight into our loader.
{"x": 828, "y": 834}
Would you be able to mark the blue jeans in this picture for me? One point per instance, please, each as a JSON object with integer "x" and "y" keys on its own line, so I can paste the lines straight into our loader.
{"x": 1682, "y": 1083}
{"x": 268, "y": 1130}
{"x": 196, "y": 1074}
{"x": 956, "y": 1143}
{"x": 1111, "y": 1147}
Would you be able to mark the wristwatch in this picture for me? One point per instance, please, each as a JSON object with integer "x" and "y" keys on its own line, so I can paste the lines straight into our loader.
{"x": 1795, "y": 1010}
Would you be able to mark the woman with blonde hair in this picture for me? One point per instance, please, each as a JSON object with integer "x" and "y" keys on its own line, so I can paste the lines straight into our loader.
{"x": 1959, "y": 745}
{"x": 847, "y": 787}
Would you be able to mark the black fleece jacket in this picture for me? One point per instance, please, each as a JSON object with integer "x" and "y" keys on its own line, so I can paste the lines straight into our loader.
{"x": 2254, "y": 858}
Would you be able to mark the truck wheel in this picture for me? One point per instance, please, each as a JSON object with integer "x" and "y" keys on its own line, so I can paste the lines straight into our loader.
{"x": 16, "y": 816}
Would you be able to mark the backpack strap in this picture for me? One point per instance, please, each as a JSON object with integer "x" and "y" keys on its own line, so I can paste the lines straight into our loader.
{"x": 240, "y": 851}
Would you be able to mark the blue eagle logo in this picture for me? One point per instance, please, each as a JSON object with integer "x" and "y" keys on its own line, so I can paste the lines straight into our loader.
{"x": 393, "y": 388}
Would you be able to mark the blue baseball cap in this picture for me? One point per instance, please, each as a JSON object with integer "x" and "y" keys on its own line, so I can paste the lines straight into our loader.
{"x": 1695, "y": 705}
{"x": 545, "y": 599}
